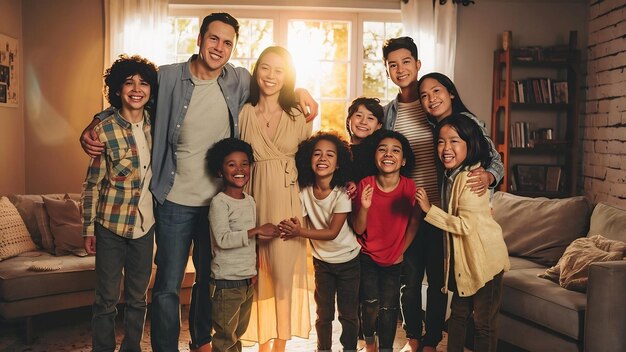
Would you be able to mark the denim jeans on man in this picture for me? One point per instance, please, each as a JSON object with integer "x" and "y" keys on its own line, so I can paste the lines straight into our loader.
{"x": 380, "y": 295}
{"x": 114, "y": 254}
{"x": 341, "y": 279}
{"x": 425, "y": 254}
{"x": 177, "y": 227}
{"x": 485, "y": 304}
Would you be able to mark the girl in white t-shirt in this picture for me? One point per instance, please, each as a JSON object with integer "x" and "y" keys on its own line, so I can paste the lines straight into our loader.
{"x": 323, "y": 163}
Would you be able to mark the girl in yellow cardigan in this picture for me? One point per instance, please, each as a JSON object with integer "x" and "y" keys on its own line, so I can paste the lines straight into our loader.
{"x": 475, "y": 252}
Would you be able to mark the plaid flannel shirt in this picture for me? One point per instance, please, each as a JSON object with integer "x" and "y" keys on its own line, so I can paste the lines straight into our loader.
{"x": 113, "y": 184}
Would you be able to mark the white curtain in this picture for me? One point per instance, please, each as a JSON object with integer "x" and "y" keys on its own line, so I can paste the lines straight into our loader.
{"x": 135, "y": 27}
{"x": 434, "y": 30}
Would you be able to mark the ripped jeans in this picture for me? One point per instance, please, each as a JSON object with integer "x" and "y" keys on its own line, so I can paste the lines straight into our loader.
{"x": 380, "y": 299}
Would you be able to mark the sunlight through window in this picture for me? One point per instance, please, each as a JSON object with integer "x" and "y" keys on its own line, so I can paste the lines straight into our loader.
{"x": 323, "y": 52}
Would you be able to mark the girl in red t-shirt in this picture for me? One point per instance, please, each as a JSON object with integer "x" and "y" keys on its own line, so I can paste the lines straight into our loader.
{"x": 386, "y": 219}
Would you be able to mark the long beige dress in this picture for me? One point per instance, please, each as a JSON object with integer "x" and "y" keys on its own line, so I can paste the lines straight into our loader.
{"x": 281, "y": 301}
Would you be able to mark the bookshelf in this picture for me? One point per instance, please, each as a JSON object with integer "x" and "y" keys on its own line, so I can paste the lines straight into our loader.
{"x": 535, "y": 118}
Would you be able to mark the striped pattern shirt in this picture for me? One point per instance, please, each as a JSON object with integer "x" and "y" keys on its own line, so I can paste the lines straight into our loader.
{"x": 412, "y": 123}
{"x": 113, "y": 184}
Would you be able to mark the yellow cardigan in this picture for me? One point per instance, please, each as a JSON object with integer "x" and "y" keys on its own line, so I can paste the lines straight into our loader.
{"x": 479, "y": 249}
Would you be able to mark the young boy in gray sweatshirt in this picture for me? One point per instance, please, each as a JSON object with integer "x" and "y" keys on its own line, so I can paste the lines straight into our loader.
{"x": 232, "y": 218}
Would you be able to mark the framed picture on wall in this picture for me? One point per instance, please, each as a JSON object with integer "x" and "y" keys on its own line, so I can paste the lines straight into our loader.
{"x": 9, "y": 74}
{"x": 530, "y": 177}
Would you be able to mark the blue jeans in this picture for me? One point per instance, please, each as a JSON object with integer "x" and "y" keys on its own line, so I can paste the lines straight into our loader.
{"x": 177, "y": 227}
{"x": 114, "y": 254}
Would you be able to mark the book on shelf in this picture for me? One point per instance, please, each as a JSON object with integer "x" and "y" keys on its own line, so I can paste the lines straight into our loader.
{"x": 560, "y": 90}
{"x": 537, "y": 91}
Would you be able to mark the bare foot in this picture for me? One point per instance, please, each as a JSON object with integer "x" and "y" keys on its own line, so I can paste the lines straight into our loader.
{"x": 279, "y": 345}
{"x": 412, "y": 345}
{"x": 371, "y": 347}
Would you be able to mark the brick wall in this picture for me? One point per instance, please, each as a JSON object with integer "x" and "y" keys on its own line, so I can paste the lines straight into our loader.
{"x": 604, "y": 121}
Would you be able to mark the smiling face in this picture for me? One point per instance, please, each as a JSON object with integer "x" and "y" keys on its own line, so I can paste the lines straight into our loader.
{"x": 135, "y": 93}
{"x": 402, "y": 67}
{"x": 436, "y": 99}
{"x": 324, "y": 159}
{"x": 235, "y": 170}
{"x": 362, "y": 124}
{"x": 451, "y": 148}
{"x": 389, "y": 156}
{"x": 270, "y": 74}
{"x": 216, "y": 46}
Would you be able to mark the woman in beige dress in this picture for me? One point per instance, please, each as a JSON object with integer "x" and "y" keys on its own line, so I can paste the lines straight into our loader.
{"x": 274, "y": 126}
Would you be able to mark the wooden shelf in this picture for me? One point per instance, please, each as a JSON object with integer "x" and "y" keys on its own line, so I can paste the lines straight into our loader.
{"x": 566, "y": 67}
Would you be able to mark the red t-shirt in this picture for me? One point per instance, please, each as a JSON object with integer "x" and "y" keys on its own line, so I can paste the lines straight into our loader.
{"x": 387, "y": 220}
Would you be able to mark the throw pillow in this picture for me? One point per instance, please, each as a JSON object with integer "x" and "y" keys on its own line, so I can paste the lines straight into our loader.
{"x": 608, "y": 220}
{"x": 539, "y": 229}
{"x": 43, "y": 225}
{"x": 65, "y": 226}
{"x": 572, "y": 270}
{"x": 25, "y": 205}
{"x": 14, "y": 237}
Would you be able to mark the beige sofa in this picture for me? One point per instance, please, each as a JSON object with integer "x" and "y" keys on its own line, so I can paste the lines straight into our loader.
{"x": 538, "y": 314}
{"x": 25, "y": 293}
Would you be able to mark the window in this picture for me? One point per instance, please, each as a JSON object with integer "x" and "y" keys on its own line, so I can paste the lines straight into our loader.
{"x": 338, "y": 55}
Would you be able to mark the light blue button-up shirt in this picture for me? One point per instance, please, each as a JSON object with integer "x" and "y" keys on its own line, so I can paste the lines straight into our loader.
{"x": 175, "y": 90}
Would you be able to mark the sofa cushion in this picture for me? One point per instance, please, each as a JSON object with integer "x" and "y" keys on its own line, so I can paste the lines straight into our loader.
{"x": 540, "y": 229}
{"x": 25, "y": 205}
{"x": 543, "y": 302}
{"x": 65, "y": 225}
{"x": 43, "y": 224}
{"x": 608, "y": 221}
{"x": 17, "y": 282}
{"x": 14, "y": 237}
{"x": 572, "y": 270}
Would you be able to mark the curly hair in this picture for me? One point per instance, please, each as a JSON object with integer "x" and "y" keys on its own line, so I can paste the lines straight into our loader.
{"x": 306, "y": 176}
{"x": 478, "y": 148}
{"x": 407, "y": 152}
{"x": 127, "y": 66}
{"x": 220, "y": 150}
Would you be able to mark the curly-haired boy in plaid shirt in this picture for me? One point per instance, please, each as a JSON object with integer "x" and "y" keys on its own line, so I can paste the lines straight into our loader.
{"x": 118, "y": 219}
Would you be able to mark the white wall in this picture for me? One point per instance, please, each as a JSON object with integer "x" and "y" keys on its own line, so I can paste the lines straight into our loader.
{"x": 479, "y": 33}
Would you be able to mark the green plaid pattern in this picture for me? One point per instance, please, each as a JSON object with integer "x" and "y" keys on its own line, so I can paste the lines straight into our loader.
{"x": 113, "y": 184}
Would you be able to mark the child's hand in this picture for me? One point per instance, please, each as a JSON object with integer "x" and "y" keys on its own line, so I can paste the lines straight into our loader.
{"x": 89, "y": 243}
{"x": 366, "y": 196}
{"x": 289, "y": 228}
{"x": 351, "y": 189}
{"x": 268, "y": 230}
{"x": 422, "y": 199}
